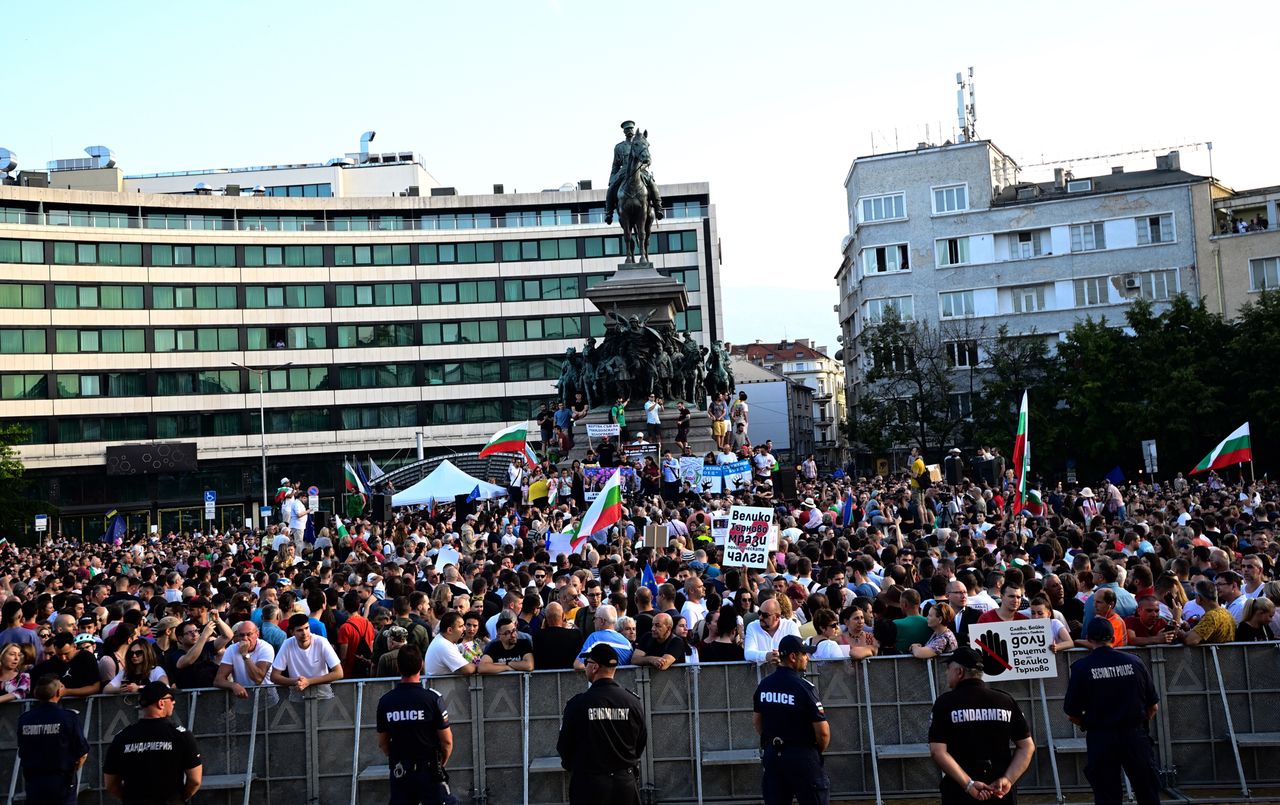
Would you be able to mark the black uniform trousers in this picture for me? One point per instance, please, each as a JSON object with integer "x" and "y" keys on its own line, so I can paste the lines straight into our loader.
{"x": 794, "y": 773}
{"x": 615, "y": 788}
{"x": 1112, "y": 749}
{"x": 50, "y": 787}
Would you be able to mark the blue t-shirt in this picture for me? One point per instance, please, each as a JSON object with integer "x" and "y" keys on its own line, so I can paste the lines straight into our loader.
{"x": 620, "y": 644}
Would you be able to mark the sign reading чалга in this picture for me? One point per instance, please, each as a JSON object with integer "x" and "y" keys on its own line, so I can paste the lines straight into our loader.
{"x": 746, "y": 543}
{"x": 1015, "y": 649}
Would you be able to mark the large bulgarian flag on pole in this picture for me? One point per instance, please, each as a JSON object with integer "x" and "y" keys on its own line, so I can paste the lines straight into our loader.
{"x": 507, "y": 440}
{"x": 1021, "y": 456}
{"x": 1235, "y": 449}
{"x": 605, "y": 510}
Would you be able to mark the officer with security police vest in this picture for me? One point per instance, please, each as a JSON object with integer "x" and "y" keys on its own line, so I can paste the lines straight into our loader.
{"x": 51, "y": 746}
{"x": 1111, "y": 697}
{"x": 970, "y": 730}
{"x": 793, "y": 730}
{"x": 414, "y": 734}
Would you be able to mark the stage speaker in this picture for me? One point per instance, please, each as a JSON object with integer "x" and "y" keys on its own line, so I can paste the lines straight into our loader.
{"x": 382, "y": 508}
{"x": 784, "y": 483}
{"x": 462, "y": 507}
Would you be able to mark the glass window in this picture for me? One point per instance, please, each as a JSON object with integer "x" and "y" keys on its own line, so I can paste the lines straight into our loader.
{"x": 1091, "y": 291}
{"x": 954, "y": 198}
{"x": 1088, "y": 237}
{"x": 1264, "y": 274}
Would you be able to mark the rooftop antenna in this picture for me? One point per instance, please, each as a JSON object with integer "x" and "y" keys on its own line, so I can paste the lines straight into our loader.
{"x": 966, "y": 114}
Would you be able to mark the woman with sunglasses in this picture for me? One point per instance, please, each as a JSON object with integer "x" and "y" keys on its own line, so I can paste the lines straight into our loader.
{"x": 139, "y": 668}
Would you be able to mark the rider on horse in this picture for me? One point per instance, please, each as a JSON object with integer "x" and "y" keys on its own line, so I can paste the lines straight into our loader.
{"x": 621, "y": 171}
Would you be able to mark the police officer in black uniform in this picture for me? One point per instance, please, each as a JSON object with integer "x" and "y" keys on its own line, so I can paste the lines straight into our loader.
{"x": 970, "y": 730}
{"x": 1111, "y": 697}
{"x": 155, "y": 760}
{"x": 793, "y": 730}
{"x": 602, "y": 735}
{"x": 51, "y": 746}
{"x": 414, "y": 734}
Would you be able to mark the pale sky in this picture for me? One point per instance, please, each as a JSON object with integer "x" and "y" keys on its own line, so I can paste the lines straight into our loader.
{"x": 768, "y": 102}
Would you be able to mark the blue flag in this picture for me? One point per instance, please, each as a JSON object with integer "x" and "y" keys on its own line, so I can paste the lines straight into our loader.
{"x": 364, "y": 479}
{"x": 846, "y": 510}
{"x": 1116, "y": 475}
{"x": 115, "y": 530}
{"x": 309, "y": 533}
{"x": 648, "y": 580}
{"x": 475, "y": 494}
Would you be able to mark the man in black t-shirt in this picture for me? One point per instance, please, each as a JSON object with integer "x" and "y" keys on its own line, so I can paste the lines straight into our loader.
{"x": 970, "y": 731}
{"x": 660, "y": 648}
{"x": 512, "y": 651}
{"x": 154, "y": 760}
{"x": 78, "y": 670}
{"x": 607, "y": 451}
{"x": 555, "y": 646}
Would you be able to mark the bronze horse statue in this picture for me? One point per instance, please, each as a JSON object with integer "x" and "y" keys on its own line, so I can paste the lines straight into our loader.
{"x": 634, "y": 211}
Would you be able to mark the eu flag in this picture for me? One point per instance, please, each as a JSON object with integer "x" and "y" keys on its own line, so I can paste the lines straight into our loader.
{"x": 475, "y": 494}
{"x": 648, "y": 580}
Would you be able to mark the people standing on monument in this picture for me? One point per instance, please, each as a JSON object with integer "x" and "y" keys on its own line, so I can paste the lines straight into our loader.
{"x": 718, "y": 412}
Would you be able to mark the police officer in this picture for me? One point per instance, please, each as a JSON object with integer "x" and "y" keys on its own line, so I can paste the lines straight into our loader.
{"x": 414, "y": 734}
{"x": 153, "y": 760}
{"x": 793, "y": 730}
{"x": 51, "y": 746}
{"x": 602, "y": 735}
{"x": 970, "y": 730}
{"x": 1110, "y": 696}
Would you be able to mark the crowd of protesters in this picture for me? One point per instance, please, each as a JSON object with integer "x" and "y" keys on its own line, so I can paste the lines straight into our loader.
{"x": 863, "y": 566}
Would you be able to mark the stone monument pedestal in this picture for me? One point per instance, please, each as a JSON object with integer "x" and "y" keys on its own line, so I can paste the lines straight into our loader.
{"x": 637, "y": 289}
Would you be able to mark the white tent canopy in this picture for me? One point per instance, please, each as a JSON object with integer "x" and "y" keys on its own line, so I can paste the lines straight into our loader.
{"x": 444, "y": 484}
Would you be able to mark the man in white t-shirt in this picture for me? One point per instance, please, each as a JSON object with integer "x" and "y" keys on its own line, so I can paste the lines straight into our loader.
{"x": 443, "y": 656}
{"x": 653, "y": 417}
{"x": 695, "y": 608}
{"x": 306, "y": 661}
{"x": 296, "y": 512}
{"x": 247, "y": 664}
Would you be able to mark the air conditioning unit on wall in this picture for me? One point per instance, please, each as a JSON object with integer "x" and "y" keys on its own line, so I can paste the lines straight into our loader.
{"x": 1131, "y": 282}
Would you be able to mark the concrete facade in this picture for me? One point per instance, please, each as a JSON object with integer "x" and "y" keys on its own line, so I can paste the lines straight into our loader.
{"x": 803, "y": 363}
{"x": 950, "y": 235}
{"x": 779, "y": 408}
{"x": 1237, "y": 266}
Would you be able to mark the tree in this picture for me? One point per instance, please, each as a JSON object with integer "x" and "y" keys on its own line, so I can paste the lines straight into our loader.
{"x": 1014, "y": 363}
{"x": 15, "y": 508}
{"x": 911, "y": 382}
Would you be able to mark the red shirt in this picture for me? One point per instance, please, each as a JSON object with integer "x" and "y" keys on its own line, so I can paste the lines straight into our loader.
{"x": 993, "y": 616}
{"x": 357, "y": 629}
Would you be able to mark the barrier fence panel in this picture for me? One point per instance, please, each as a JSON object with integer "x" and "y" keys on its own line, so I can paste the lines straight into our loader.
{"x": 1217, "y": 728}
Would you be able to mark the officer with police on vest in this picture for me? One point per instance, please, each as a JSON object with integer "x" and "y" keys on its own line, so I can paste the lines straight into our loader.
{"x": 602, "y": 735}
{"x": 793, "y": 730}
{"x": 1111, "y": 697}
{"x": 414, "y": 734}
{"x": 51, "y": 746}
{"x": 970, "y": 730}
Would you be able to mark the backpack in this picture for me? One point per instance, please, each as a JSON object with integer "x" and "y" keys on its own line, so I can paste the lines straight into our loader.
{"x": 362, "y": 666}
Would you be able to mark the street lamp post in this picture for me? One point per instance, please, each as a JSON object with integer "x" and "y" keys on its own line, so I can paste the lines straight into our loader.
{"x": 262, "y": 426}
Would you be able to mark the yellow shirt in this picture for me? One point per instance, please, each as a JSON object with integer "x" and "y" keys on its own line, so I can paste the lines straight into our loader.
{"x": 917, "y": 469}
{"x": 538, "y": 489}
{"x": 1216, "y": 626}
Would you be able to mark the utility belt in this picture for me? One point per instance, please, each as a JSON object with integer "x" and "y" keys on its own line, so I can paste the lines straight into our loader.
{"x": 627, "y": 772}
{"x": 401, "y": 768}
{"x": 779, "y": 745}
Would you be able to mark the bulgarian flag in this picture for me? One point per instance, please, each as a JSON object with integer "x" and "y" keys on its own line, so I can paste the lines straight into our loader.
{"x": 1021, "y": 457}
{"x": 507, "y": 440}
{"x": 605, "y": 510}
{"x": 354, "y": 488}
{"x": 1235, "y": 449}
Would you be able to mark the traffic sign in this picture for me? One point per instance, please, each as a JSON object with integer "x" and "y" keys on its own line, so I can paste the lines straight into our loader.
{"x": 313, "y": 503}
{"x": 210, "y": 501}
{"x": 313, "y": 491}
{"x": 42, "y": 522}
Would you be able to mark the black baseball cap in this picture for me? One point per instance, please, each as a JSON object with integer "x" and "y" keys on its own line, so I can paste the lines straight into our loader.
{"x": 1100, "y": 631}
{"x": 603, "y": 654}
{"x": 794, "y": 645}
{"x": 153, "y": 692}
{"x": 965, "y": 657}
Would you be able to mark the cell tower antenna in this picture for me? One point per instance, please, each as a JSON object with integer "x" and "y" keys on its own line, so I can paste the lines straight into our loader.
{"x": 966, "y": 113}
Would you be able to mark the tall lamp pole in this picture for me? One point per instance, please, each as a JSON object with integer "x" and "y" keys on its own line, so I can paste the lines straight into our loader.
{"x": 262, "y": 425}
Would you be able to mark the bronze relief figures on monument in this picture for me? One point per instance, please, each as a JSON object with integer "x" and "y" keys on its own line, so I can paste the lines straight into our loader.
{"x": 641, "y": 353}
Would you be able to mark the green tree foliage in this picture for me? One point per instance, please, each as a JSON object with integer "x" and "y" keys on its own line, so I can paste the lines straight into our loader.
{"x": 15, "y": 508}
{"x": 1184, "y": 377}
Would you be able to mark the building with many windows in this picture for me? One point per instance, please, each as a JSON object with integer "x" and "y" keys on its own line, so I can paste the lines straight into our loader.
{"x": 1240, "y": 252}
{"x": 952, "y": 236}
{"x": 801, "y": 362}
{"x": 129, "y": 317}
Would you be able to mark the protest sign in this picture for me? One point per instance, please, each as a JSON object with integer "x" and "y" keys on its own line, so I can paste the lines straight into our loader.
{"x": 747, "y": 543}
{"x": 691, "y": 472}
{"x": 559, "y": 544}
{"x": 447, "y": 556}
{"x": 633, "y": 452}
{"x": 603, "y": 429}
{"x": 1015, "y": 649}
{"x": 596, "y": 477}
{"x": 719, "y": 528}
{"x": 655, "y": 535}
{"x": 731, "y": 477}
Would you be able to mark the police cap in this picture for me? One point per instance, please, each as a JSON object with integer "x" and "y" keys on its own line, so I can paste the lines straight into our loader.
{"x": 1100, "y": 631}
{"x": 794, "y": 645}
{"x": 152, "y": 693}
{"x": 965, "y": 657}
{"x": 603, "y": 654}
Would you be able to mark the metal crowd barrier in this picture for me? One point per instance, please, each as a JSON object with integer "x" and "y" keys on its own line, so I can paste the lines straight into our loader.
{"x": 1219, "y": 718}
